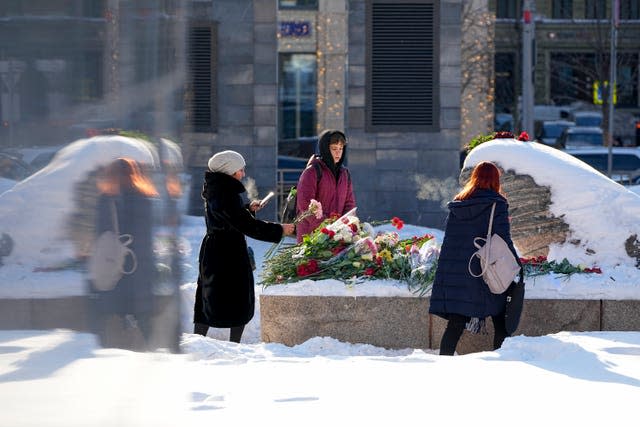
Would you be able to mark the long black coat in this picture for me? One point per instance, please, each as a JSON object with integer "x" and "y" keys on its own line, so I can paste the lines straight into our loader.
{"x": 225, "y": 295}
{"x": 454, "y": 290}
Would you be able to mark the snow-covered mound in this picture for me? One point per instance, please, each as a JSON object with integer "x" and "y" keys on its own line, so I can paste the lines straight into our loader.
{"x": 602, "y": 215}
{"x": 34, "y": 211}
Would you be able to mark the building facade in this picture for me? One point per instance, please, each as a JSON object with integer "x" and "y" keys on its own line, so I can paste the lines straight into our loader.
{"x": 385, "y": 72}
{"x": 572, "y": 55}
{"x": 262, "y": 77}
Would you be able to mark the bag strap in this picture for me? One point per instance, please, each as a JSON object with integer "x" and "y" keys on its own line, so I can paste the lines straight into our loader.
{"x": 128, "y": 239}
{"x": 114, "y": 217}
{"x": 318, "y": 169}
{"x": 487, "y": 241}
{"x": 493, "y": 209}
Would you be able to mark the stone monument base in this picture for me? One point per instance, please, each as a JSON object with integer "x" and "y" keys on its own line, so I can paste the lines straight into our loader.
{"x": 404, "y": 322}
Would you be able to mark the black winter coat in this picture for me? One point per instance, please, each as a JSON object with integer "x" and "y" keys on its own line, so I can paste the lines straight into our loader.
{"x": 225, "y": 295}
{"x": 454, "y": 290}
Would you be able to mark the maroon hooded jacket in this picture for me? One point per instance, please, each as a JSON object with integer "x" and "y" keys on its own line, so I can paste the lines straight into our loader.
{"x": 334, "y": 191}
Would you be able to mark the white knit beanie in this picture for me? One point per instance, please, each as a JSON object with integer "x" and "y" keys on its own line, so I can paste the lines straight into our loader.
{"x": 228, "y": 162}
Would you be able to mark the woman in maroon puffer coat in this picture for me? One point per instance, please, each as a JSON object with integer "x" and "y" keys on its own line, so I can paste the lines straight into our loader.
{"x": 333, "y": 190}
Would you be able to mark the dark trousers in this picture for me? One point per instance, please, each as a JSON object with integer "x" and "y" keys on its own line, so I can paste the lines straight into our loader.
{"x": 455, "y": 328}
{"x": 235, "y": 334}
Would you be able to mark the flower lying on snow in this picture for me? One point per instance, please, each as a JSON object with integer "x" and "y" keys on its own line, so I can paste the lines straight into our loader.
{"x": 539, "y": 265}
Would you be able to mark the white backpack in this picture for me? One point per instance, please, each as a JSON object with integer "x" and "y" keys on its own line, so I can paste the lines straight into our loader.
{"x": 108, "y": 259}
{"x": 499, "y": 266}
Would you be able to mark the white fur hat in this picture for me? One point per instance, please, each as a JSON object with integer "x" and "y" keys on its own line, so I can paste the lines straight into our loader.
{"x": 228, "y": 162}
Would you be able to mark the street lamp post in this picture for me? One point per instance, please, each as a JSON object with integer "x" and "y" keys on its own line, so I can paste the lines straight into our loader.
{"x": 615, "y": 8}
{"x": 528, "y": 53}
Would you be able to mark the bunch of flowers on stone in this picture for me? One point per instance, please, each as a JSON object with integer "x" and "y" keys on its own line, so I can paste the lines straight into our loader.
{"x": 540, "y": 265}
{"x": 346, "y": 249}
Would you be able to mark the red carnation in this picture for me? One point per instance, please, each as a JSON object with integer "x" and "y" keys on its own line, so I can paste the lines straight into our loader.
{"x": 397, "y": 222}
{"x": 328, "y": 232}
{"x": 503, "y": 134}
{"x": 302, "y": 270}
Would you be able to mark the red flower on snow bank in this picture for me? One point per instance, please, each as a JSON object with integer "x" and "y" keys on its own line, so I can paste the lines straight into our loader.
{"x": 397, "y": 222}
{"x": 539, "y": 265}
{"x": 503, "y": 135}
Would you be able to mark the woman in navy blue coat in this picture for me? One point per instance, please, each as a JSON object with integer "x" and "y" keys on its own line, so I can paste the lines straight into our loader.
{"x": 465, "y": 301}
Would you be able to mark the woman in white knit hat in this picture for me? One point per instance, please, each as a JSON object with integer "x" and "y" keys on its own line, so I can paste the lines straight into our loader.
{"x": 225, "y": 294}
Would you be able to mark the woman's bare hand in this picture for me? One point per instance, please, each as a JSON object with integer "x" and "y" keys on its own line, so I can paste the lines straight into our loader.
{"x": 288, "y": 229}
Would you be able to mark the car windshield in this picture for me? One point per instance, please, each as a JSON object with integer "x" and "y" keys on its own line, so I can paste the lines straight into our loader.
{"x": 584, "y": 139}
{"x": 553, "y": 130}
{"x": 588, "y": 120}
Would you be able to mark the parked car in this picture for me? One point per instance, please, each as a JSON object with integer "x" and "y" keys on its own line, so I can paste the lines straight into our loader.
{"x": 35, "y": 157}
{"x": 625, "y": 162}
{"x": 503, "y": 122}
{"x": 550, "y": 131}
{"x": 580, "y": 136}
{"x": 551, "y": 112}
{"x": 13, "y": 168}
{"x": 587, "y": 118}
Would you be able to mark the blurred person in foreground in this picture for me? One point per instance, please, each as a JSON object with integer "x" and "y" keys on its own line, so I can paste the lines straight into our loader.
{"x": 225, "y": 295}
{"x": 326, "y": 180}
{"x": 463, "y": 300}
{"x": 122, "y": 312}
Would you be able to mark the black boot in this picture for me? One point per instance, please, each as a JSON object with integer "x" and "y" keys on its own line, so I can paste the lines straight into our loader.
{"x": 236, "y": 333}
{"x": 200, "y": 329}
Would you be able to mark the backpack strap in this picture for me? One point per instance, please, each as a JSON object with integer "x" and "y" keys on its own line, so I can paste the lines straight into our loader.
{"x": 114, "y": 217}
{"x": 487, "y": 241}
{"x": 318, "y": 169}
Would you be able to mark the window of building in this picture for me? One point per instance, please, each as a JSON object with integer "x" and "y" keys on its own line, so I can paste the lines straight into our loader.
{"x": 595, "y": 9}
{"x": 202, "y": 94}
{"x": 562, "y": 9}
{"x": 402, "y": 66}
{"x": 93, "y": 8}
{"x": 11, "y": 8}
{"x": 297, "y": 92}
{"x": 627, "y": 84}
{"x": 87, "y": 72}
{"x": 629, "y": 9}
{"x": 507, "y": 9}
{"x": 505, "y": 84}
{"x": 298, "y": 4}
{"x": 88, "y": 8}
{"x": 571, "y": 77}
